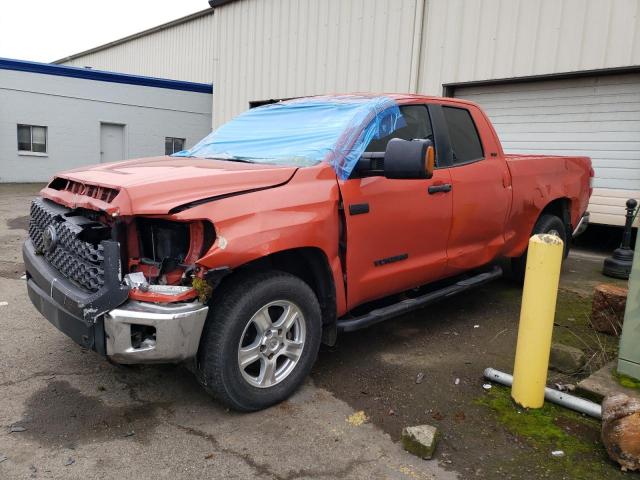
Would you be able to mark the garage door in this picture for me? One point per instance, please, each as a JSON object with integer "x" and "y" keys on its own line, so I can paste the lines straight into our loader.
{"x": 594, "y": 116}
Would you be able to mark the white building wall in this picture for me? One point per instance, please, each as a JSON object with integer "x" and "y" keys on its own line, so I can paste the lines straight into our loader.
{"x": 180, "y": 52}
{"x": 286, "y": 48}
{"x": 283, "y": 48}
{"x": 470, "y": 40}
{"x": 73, "y": 108}
{"x": 262, "y": 49}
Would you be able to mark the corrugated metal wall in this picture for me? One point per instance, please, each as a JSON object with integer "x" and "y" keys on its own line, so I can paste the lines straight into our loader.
{"x": 282, "y": 48}
{"x": 467, "y": 40}
{"x": 181, "y": 52}
{"x": 262, "y": 49}
{"x": 285, "y": 48}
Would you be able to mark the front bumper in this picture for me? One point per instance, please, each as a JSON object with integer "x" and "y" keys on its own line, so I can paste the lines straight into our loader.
{"x": 177, "y": 328}
{"x": 103, "y": 321}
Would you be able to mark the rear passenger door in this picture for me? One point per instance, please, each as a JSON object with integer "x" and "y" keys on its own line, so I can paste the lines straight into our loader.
{"x": 481, "y": 191}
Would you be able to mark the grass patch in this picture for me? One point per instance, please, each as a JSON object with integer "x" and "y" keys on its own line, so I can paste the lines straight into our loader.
{"x": 626, "y": 381}
{"x": 555, "y": 428}
{"x": 572, "y": 326}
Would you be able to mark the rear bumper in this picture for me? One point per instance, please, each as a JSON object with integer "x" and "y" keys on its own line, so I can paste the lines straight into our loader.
{"x": 583, "y": 223}
{"x": 103, "y": 321}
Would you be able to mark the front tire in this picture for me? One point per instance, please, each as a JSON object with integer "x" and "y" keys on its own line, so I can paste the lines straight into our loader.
{"x": 260, "y": 340}
{"x": 547, "y": 223}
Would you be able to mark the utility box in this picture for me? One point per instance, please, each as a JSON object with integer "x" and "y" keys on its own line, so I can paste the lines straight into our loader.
{"x": 629, "y": 356}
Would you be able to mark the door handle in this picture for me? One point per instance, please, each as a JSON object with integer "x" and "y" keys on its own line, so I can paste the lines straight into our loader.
{"x": 443, "y": 187}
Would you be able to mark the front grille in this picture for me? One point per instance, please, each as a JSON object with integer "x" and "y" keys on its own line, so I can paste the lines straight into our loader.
{"x": 79, "y": 261}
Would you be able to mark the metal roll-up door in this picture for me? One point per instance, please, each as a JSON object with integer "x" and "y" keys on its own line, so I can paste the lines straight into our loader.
{"x": 597, "y": 116}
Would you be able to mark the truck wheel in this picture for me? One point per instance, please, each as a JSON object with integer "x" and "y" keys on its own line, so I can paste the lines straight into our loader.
{"x": 260, "y": 340}
{"x": 547, "y": 223}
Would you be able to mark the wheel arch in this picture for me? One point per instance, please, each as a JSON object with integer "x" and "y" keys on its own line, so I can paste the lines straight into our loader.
{"x": 561, "y": 208}
{"x": 311, "y": 265}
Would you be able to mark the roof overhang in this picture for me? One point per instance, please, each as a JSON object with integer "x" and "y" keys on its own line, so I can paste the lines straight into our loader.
{"x": 102, "y": 76}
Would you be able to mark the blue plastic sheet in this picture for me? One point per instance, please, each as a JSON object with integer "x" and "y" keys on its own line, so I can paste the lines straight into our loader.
{"x": 303, "y": 132}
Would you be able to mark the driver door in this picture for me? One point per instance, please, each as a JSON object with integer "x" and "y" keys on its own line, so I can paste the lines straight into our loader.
{"x": 396, "y": 230}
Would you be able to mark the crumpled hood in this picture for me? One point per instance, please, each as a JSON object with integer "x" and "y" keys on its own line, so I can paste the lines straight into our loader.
{"x": 156, "y": 185}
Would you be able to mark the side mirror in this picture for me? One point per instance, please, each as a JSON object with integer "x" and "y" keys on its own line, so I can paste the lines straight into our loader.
{"x": 409, "y": 159}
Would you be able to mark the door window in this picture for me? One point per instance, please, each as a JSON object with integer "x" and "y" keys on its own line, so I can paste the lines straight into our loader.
{"x": 465, "y": 142}
{"x": 418, "y": 125}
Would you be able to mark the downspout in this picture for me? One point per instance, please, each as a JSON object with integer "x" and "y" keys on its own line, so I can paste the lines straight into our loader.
{"x": 416, "y": 48}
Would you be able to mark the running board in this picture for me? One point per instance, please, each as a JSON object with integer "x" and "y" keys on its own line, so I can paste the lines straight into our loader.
{"x": 404, "y": 306}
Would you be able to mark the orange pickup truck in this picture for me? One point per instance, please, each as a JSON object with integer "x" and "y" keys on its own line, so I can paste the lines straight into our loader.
{"x": 289, "y": 224}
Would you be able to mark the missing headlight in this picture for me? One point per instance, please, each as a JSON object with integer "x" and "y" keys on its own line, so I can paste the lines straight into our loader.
{"x": 160, "y": 239}
{"x": 167, "y": 250}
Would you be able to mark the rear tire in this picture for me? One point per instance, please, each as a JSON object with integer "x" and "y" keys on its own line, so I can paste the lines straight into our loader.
{"x": 547, "y": 223}
{"x": 260, "y": 340}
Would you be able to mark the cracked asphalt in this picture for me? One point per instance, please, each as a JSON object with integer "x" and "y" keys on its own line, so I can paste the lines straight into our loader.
{"x": 74, "y": 415}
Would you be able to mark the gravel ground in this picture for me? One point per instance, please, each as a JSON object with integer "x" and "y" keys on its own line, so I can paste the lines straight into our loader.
{"x": 85, "y": 418}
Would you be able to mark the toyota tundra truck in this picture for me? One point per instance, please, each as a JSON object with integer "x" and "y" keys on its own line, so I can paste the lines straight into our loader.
{"x": 287, "y": 225}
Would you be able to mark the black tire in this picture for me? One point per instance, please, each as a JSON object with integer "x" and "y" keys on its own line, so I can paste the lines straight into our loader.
{"x": 235, "y": 303}
{"x": 546, "y": 223}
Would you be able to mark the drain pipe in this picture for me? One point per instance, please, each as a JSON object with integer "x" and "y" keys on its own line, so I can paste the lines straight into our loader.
{"x": 569, "y": 401}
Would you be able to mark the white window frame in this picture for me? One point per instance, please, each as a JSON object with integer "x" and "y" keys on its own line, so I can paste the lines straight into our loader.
{"x": 30, "y": 152}
{"x": 173, "y": 146}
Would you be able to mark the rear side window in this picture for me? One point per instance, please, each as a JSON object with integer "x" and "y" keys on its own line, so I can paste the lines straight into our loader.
{"x": 465, "y": 142}
{"x": 418, "y": 125}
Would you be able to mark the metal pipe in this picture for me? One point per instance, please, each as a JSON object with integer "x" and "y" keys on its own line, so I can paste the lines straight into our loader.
{"x": 569, "y": 401}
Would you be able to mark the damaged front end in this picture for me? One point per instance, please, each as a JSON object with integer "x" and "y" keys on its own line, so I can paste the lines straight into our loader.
{"x": 126, "y": 287}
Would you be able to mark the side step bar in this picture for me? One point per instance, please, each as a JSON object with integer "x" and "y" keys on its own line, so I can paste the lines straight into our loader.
{"x": 384, "y": 313}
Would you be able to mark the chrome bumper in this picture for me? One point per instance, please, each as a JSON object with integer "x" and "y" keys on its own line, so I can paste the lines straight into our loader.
{"x": 582, "y": 224}
{"x": 177, "y": 332}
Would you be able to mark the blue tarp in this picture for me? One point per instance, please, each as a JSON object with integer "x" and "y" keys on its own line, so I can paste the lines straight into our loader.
{"x": 303, "y": 132}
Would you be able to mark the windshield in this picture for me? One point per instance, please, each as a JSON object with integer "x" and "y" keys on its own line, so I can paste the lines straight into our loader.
{"x": 303, "y": 132}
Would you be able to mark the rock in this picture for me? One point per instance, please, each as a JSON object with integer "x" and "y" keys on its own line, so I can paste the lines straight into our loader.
{"x": 16, "y": 429}
{"x": 420, "y": 440}
{"x": 621, "y": 430}
{"x": 607, "y": 309}
{"x": 566, "y": 359}
{"x": 419, "y": 377}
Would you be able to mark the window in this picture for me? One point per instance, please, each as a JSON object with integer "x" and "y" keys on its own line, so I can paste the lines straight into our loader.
{"x": 32, "y": 138}
{"x": 465, "y": 142}
{"x": 173, "y": 145}
{"x": 418, "y": 126}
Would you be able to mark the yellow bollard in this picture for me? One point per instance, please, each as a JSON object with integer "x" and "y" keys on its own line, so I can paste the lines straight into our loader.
{"x": 542, "y": 274}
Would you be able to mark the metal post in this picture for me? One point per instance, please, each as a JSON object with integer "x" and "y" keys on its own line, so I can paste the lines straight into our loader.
{"x": 542, "y": 275}
{"x": 629, "y": 356}
{"x": 618, "y": 265}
